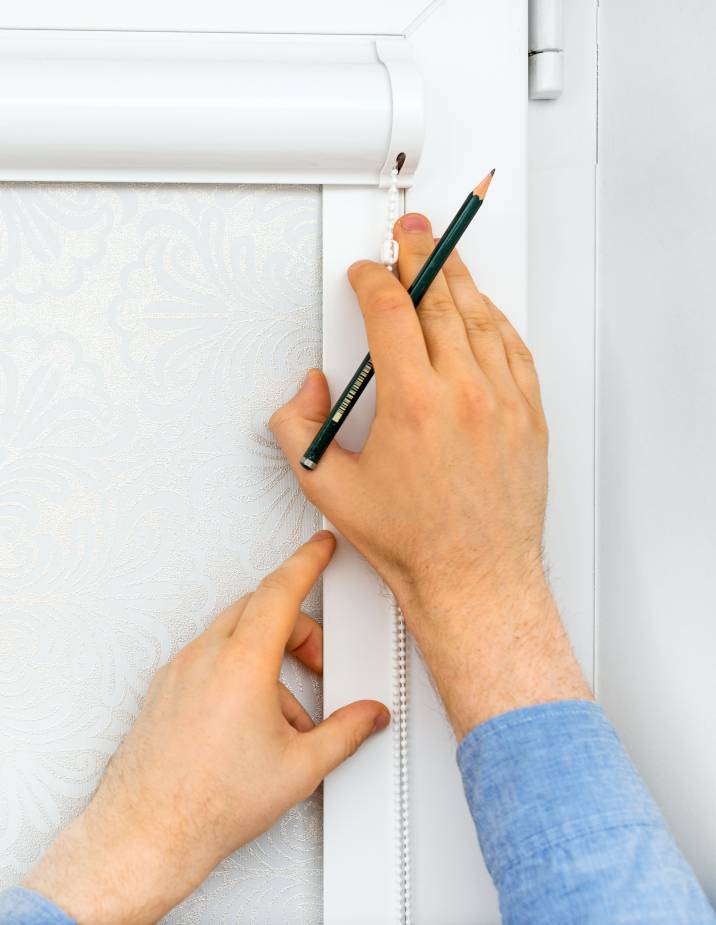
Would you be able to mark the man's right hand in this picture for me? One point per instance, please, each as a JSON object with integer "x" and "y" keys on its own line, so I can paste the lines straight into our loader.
{"x": 447, "y": 498}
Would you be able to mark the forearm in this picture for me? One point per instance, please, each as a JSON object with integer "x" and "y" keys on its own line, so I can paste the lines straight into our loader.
{"x": 219, "y": 752}
{"x": 493, "y": 644}
{"x": 567, "y": 828}
{"x": 104, "y": 873}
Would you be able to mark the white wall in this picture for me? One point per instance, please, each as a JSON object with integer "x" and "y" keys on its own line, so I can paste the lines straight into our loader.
{"x": 656, "y": 422}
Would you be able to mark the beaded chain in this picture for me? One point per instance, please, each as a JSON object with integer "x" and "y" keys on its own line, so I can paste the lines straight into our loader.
{"x": 389, "y": 248}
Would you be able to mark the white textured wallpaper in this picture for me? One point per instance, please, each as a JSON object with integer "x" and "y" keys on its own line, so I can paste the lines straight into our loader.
{"x": 146, "y": 334}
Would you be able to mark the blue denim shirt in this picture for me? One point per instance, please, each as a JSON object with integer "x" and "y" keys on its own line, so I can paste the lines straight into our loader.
{"x": 567, "y": 828}
{"x": 569, "y": 833}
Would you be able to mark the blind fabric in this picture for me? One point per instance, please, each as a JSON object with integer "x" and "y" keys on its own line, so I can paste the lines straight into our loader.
{"x": 146, "y": 334}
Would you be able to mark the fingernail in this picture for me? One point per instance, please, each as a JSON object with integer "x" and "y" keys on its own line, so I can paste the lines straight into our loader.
{"x": 414, "y": 222}
{"x": 321, "y": 535}
{"x": 381, "y": 721}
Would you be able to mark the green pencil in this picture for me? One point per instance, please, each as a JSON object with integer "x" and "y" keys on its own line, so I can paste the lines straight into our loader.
{"x": 430, "y": 269}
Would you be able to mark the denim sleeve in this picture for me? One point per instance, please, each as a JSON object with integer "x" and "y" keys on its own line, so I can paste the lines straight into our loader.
{"x": 19, "y": 906}
{"x": 567, "y": 828}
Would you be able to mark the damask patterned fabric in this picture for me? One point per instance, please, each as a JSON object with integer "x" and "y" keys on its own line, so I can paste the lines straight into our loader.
{"x": 146, "y": 334}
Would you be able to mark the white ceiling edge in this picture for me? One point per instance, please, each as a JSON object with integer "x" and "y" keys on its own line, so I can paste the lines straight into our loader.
{"x": 370, "y": 17}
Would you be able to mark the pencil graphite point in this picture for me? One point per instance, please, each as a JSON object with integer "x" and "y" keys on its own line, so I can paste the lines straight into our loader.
{"x": 481, "y": 189}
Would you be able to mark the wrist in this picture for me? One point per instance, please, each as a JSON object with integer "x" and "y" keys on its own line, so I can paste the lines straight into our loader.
{"x": 492, "y": 643}
{"x": 101, "y": 877}
{"x": 434, "y": 596}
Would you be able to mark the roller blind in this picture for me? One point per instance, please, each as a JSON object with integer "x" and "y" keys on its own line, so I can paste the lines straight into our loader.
{"x": 147, "y": 333}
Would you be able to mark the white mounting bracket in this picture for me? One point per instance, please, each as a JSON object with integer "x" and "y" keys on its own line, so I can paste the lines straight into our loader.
{"x": 407, "y": 129}
{"x": 546, "y": 49}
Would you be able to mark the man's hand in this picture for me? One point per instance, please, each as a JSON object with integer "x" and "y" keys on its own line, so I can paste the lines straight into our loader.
{"x": 219, "y": 752}
{"x": 447, "y": 498}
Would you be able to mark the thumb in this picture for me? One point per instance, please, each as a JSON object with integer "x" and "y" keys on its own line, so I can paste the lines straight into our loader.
{"x": 296, "y": 423}
{"x": 343, "y": 732}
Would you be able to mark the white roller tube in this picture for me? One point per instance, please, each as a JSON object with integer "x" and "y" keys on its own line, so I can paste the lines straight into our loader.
{"x": 151, "y": 107}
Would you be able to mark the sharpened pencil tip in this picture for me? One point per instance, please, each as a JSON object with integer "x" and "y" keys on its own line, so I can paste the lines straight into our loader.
{"x": 481, "y": 188}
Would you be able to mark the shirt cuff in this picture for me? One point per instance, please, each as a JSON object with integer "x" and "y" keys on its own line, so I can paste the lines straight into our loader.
{"x": 19, "y": 906}
{"x": 542, "y": 775}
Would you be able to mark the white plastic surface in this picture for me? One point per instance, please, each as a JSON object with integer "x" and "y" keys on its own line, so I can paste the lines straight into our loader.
{"x": 359, "y": 854}
{"x": 546, "y": 31}
{"x": 546, "y": 75}
{"x": 217, "y": 108}
{"x": 407, "y": 130}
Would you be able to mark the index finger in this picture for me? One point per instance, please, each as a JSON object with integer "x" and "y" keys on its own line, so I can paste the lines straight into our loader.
{"x": 271, "y": 613}
{"x": 395, "y": 337}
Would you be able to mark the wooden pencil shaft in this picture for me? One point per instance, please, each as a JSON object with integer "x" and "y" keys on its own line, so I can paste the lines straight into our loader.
{"x": 444, "y": 247}
{"x": 362, "y": 376}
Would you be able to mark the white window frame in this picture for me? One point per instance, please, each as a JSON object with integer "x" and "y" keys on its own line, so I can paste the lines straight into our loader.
{"x": 473, "y": 58}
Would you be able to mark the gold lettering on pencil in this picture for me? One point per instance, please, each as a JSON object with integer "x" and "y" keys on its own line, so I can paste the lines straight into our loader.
{"x": 352, "y": 392}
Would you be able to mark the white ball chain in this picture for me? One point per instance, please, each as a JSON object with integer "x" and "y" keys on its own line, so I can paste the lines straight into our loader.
{"x": 401, "y": 765}
{"x": 389, "y": 248}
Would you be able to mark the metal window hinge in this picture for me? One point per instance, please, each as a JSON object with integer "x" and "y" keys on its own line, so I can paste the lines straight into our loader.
{"x": 546, "y": 49}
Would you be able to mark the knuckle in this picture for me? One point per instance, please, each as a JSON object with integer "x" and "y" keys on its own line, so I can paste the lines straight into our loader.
{"x": 236, "y": 606}
{"x": 522, "y": 354}
{"x": 524, "y": 421}
{"x": 541, "y": 429}
{"x": 418, "y": 406}
{"x": 277, "y": 581}
{"x": 387, "y": 301}
{"x": 493, "y": 308}
{"x": 480, "y": 325}
{"x": 458, "y": 268}
{"x": 352, "y": 742}
{"x": 420, "y": 247}
{"x": 460, "y": 274}
{"x": 518, "y": 413}
{"x": 234, "y": 610}
{"x": 244, "y": 659}
{"x": 476, "y": 400}
{"x": 436, "y": 307}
